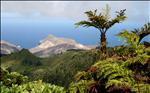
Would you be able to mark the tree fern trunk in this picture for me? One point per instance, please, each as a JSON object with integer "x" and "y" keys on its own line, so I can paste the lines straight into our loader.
{"x": 103, "y": 44}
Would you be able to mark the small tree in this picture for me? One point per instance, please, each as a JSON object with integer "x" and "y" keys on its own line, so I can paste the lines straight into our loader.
{"x": 102, "y": 22}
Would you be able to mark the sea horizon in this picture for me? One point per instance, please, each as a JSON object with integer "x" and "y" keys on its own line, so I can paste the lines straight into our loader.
{"x": 27, "y": 34}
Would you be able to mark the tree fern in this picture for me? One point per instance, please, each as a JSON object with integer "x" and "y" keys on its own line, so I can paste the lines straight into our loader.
{"x": 102, "y": 22}
{"x": 107, "y": 73}
{"x": 114, "y": 71}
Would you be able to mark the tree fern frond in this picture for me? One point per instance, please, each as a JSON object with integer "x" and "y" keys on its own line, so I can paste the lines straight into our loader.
{"x": 81, "y": 76}
{"x": 85, "y": 24}
{"x": 115, "y": 82}
{"x": 143, "y": 31}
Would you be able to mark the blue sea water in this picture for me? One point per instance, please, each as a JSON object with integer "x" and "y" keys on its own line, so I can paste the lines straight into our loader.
{"x": 28, "y": 33}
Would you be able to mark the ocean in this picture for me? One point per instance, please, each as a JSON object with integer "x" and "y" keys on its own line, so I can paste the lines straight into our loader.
{"x": 28, "y": 33}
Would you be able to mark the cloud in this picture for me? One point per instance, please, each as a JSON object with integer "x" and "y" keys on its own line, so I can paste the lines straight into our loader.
{"x": 137, "y": 11}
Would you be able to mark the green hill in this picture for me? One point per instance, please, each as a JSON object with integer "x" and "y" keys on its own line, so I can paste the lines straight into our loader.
{"x": 17, "y": 59}
{"x": 58, "y": 69}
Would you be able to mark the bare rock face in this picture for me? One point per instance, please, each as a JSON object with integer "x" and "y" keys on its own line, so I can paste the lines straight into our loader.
{"x": 8, "y": 48}
{"x": 54, "y": 45}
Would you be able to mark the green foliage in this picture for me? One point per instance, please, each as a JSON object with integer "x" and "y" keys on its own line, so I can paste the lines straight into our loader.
{"x": 80, "y": 87}
{"x": 141, "y": 59}
{"x": 24, "y": 57}
{"x": 114, "y": 74}
{"x": 132, "y": 48}
{"x": 130, "y": 38}
{"x": 144, "y": 88}
{"x": 136, "y": 53}
{"x": 105, "y": 74}
{"x": 58, "y": 69}
{"x": 33, "y": 87}
{"x": 63, "y": 67}
{"x": 8, "y": 79}
{"x": 143, "y": 31}
{"x": 16, "y": 83}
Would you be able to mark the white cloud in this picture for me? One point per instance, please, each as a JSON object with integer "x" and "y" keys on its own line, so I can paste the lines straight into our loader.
{"x": 137, "y": 11}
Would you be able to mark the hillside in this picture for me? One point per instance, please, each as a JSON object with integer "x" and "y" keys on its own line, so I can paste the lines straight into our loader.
{"x": 58, "y": 69}
{"x": 8, "y": 48}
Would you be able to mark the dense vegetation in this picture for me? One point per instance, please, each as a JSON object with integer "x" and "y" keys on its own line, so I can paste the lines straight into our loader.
{"x": 57, "y": 69}
{"x": 16, "y": 83}
{"x": 125, "y": 69}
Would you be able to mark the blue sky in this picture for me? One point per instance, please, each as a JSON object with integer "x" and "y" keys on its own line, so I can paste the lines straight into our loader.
{"x": 25, "y": 23}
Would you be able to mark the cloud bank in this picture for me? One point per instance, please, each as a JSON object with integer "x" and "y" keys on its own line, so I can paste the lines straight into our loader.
{"x": 137, "y": 11}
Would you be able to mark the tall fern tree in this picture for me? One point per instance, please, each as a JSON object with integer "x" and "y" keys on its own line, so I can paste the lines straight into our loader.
{"x": 102, "y": 22}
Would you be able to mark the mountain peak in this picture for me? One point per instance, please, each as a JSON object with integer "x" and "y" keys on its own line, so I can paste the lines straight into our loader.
{"x": 57, "y": 40}
{"x": 54, "y": 45}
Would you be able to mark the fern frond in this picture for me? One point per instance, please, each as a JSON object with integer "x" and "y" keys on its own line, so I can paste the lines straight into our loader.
{"x": 144, "y": 88}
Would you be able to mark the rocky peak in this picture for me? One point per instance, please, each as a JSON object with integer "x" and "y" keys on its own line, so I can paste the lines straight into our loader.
{"x": 54, "y": 45}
